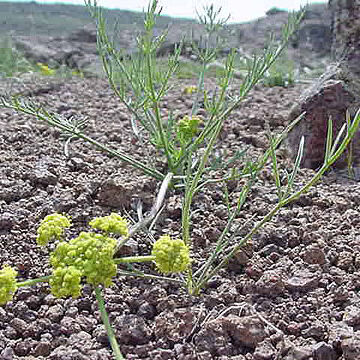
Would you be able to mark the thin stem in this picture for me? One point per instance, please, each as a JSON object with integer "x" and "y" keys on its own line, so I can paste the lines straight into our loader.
{"x": 109, "y": 330}
{"x": 328, "y": 162}
{"x": 43, "y": 115}
{"x": 149, "y": 276}
{"x": 31, "y": 282}
{"x": 133, "y": 259}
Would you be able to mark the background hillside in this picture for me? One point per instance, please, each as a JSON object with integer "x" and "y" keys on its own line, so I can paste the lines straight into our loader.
{"x": 31, "y": 18}
{"x": 65, "y": 34}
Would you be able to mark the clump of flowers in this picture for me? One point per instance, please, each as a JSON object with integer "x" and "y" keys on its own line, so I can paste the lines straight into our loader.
{"x": 188, "y": 90}
{"x": 52, "y": 227}
{"x": 171, "y": 256}
{"x": 89, "y": 255}
{"x": 7, "y": 284}
{"x": 112, "y": 223}
{"x": 188, "y": 128}
{"x": 45, "y": 70}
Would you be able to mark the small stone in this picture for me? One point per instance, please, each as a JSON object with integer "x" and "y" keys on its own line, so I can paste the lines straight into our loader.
{"x": 204, "y": 355}
{"x": 352, "y": 315}
{"x": 299, "y": 353}
{"x": 351, "y": 348}
{"x": 175, "y": 325}
{"x": 264, "y": 351}
{"x": 19, "y": 325}
{"x": 132, "y": 330}
{"x": 302, "y": 281}
{"x": 118, "y": 192}
{"x": 6, "y": 221}
{"x": 55, "y": 313}
{"x": 43, "y": 177}
{"x": 80, "y": 341}
{"x": 43, "y": 348}
{"x": 77, "y": 163}
{"x": 345, "y": 260}
{"x": 22, "y": 348}
{"x": 269, "y": 249}
{"x": 147, "y": 311}
{"x": 323, "y": 351}
{"x": 7, "y": 354}
{"x": 4, "y": 317}
{"x": 271, "y": 283}
{"x": 174, "y": 207}
{"x": 242, "y": 257}
{"x": 69, "y": 326}
{"x": 314, "y": 255}
{"x": 248, "y": 331}
{"x": 317, "y": 331}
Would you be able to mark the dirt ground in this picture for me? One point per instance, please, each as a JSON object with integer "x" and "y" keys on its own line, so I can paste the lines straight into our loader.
{"x": 294, "y": 294}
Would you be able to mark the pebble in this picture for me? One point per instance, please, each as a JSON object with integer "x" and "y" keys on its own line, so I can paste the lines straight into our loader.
{"x": 324, "y": 351}
{"x": 264, "y": 351}
{"x": 6, "y": 221}
{"x": 248, "y": 331}
{"x": 351, "y": 348}
{"x": 302, "y": 281}
{"x": 314, "y": 255}
{"x": 352, "y": 315}
{"x": 270, "y": 283}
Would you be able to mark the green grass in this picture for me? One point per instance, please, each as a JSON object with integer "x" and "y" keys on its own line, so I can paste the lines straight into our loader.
{"x": 12, "y": 62}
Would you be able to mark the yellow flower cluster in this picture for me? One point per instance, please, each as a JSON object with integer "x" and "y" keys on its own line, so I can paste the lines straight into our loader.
{"x": 45, "y": 70}
{"x": 52, "y": 227}
{"x": 189, "y": 90}
{"x": 188, "y": 128}
{"x": 7, "y": 284}
{"x": 89, "y": 255}
{"x": 112, "y": 223}
{"x": 171, "y": 256}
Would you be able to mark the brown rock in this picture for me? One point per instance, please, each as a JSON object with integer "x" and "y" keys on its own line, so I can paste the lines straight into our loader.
{"x": 351, "y": 348}
{"x": 314, "y": 255}
{"x": 247, "y": 331}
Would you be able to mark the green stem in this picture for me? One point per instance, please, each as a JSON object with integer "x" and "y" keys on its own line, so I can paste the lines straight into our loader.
{"x": 155, "y": 101}
{"x": 140, "y": 274}
{"x": 43, "y": 115}
{"x": 108, "y": 328}
{"x": 333, "y": 156}
{"x": 33, "y": 281}
{"x": 132, "y": 259}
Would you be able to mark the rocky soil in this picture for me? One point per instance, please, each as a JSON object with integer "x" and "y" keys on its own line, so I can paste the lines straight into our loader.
{"x": 293, "y": 294}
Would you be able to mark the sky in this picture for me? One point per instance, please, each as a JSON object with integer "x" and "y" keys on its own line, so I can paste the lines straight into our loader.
{"x": 239, "y": 10}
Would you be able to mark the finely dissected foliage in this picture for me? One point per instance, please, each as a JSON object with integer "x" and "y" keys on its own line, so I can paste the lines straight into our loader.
{"x": 186, "y": 146}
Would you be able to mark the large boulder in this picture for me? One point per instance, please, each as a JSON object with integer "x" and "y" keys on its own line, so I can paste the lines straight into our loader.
{"x": 77, "y": 51}
{"x": 335, "y": 92}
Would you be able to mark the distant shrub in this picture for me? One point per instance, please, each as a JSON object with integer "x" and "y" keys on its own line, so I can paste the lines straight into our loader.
{"x": 281, "y": 73}
{"x": 12, "y": 62}
{"x": 274, "y": 10}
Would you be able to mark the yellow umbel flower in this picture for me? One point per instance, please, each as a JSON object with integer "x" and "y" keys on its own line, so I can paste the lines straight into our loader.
{"x": 171, "y": 256}
{"x": 7, "y": 284}
{"x": 188, "y": 90}
{"x": 113, "y": 223}
{"x": 188, "y": 127}
{"x": 52, "y": 227}
{"x": 90, "y": 256}
{"x": 45, "y": 70}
